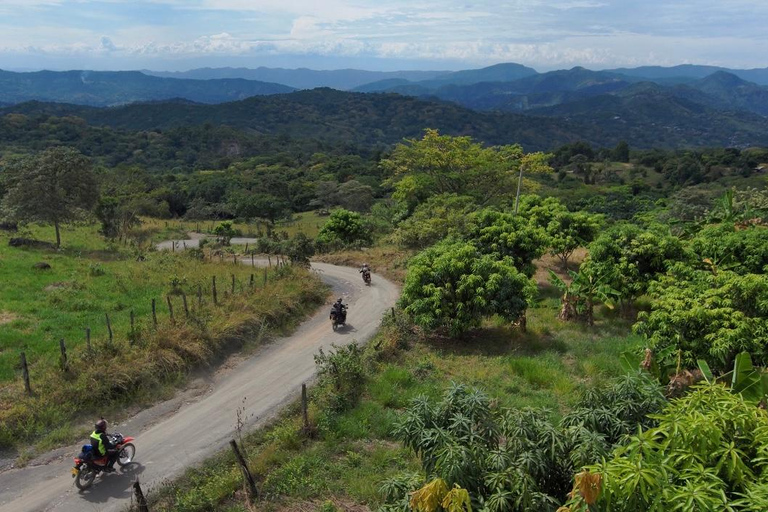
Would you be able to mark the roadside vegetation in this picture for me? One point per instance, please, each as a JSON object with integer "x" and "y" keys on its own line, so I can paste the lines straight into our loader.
{"x": 544, "y": 351}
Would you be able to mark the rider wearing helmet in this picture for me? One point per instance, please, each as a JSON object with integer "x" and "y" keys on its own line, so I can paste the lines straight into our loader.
{"x": 340, "y": 309}
{"x": 365, "y": 268}
{"x": 102, "y": 445}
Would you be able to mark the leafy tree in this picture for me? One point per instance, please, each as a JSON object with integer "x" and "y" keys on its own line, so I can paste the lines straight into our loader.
{"x": 55, "y": 187}
{"x": 706, "y": 315}
{"x": 116, "y": 219}
{"x": 442, "y": 164}
{"x": 225, "y": 231}
{"x": 741, "y": 250}
{"x": 264, "y": 206}
{"x": 504, "y": 235}
{"x": 708, "y": 452}
{"x": 436, "y": 218}
{"x": 453, "y": 285}
{"x": 355, "y": 196}
{"x": 300, "y": 249}
{"x": 621, "y": 152}
{"x": 570, "y": 230}
{"x": 344, "y": 228}
{"x": 633, "y": 257}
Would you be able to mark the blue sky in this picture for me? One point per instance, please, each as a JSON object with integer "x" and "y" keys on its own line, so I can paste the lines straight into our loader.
{"x": 382, "y": 34}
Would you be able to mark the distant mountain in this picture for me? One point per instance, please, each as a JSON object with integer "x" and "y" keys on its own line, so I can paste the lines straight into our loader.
{"x": 646, "y": 115}
{"x": 654, "y": 73}
{"x": 107, "y": 88}
{"x": 730, "y": 92}
{"x": 302, "y": 78}
{"x": 651, "y": 115}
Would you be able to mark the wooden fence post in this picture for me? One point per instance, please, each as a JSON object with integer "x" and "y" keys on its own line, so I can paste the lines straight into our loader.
{"x": 173, "y": 246}
{"x": 252, "y": 262}
{"x": 184, "y": 301}
{"x": 233, "y": 284}
{"x": 154, "y": 313}
{"x": 185, "y": 245}
{"x": 88, "y": 339}
{"x": 141, "y": 501}
{"x": 170, "y": 308}
{"x": 63, "y": 360}
{"x": 199, "y": 296}
{"x": 304, "y": 407}
{"x": 213, "y": 287}
{"x": 25, "y": 374}
{"x": 265, "y": 276}
{"x": 251, "y": 282}
{"x": 250, "y": 482}
{"x": 109, "y": 327}
{"x": 234, "y": 259}
{"x": 246, "y": 247}
{"x": 133, "y": 322}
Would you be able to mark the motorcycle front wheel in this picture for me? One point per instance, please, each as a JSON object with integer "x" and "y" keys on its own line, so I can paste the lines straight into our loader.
{"x": 85, "y": 477}
{"x": 126, "y": 454}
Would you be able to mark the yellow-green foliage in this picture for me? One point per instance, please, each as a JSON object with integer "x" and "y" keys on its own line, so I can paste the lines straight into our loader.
{"x": 86, "y": 282}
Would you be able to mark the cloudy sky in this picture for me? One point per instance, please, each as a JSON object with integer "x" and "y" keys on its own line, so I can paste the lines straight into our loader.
{"x": 380, "y": 34}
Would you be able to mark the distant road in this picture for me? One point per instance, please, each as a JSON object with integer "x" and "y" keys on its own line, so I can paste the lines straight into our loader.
{"x": 175, "y": 435}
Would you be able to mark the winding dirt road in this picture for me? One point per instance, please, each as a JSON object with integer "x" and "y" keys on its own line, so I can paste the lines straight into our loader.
{"x": 184, "y": 431}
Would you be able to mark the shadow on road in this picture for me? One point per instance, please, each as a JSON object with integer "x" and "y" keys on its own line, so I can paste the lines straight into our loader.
{"x": 345, "y": 329}
{"x": 114, "y": 486}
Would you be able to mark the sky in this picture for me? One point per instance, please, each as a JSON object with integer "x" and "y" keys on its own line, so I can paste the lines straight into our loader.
{"x": 176, "y": 35}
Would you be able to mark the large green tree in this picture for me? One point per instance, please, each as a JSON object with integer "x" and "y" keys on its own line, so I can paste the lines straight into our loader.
{"x": 54, "y": 187}
{"x": 452, "y": 285}
{"x": 443, "y": 164}
{"x": 344, "y": 228}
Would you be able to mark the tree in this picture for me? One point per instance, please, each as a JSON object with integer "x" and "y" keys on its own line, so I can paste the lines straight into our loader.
{"x": 579, "y": 296}
{"x": 442, "y": 164}
{"x": 264, "y": 206}
{"x": 116, "y": 218}
{"x": 503, "y": 235}
{"x": 355, "y": 196}
{"x": 452, "y": 285}
{"x": 621, "y": 152}
{"x": 707, "y": 452}
{"x": 633, "y": 257}
{"x": 300, "y": 249}
{"x": 434, "y": 219}
{"x": 741, "y": 250}
{"x": 55, "y": 187}
{"x": 343, "y": 228}
{"x": 699, "y": 314}
{"x": 225, "y": 231}
{"x": 570, "y": 230}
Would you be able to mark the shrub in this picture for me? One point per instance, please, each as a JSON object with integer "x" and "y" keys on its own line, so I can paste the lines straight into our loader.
{"x": 343, "y": 229}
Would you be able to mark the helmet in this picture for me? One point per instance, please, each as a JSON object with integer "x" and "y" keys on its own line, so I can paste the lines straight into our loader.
{"x": 340, "y": 300}
{"x": 101, "y": 424}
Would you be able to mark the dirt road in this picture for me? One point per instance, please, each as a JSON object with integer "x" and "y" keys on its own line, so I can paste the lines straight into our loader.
{"x": 180, "y": 433}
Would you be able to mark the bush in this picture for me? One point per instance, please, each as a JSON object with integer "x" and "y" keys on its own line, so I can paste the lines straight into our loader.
{"x": 343, "y": 229}
{"x": 341, "y": 371}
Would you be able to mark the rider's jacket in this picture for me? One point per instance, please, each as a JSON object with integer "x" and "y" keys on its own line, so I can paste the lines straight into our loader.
{"x": 100, "y": 442}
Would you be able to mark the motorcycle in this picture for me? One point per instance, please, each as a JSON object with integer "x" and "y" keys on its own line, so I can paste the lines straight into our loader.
{"x": 367, "y": 277}
{"x": 88, "y": 465}
{"x": 338, "y": 319}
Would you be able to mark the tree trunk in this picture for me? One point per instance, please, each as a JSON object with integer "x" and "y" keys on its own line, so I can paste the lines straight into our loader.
{"x": 58, "y": 234}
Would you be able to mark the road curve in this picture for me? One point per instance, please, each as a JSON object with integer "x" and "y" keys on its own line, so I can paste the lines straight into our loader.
{"x": 262, "y": 383}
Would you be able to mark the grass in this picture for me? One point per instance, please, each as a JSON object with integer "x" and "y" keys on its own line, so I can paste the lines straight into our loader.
{"x": 308, "y": 223}
{"x": 354, "y": 451}
{"x": 89, "y": 279}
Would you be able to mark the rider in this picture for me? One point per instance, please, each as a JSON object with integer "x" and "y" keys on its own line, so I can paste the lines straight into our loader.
{"x": 102, "y": 445}
{"x": 365, "y": 269}
{"x": 340, "y": 309}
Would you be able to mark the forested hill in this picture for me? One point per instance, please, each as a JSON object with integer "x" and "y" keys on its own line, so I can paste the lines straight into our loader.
{"x": 384, "y": 119}
{"x": 104, "y": 88}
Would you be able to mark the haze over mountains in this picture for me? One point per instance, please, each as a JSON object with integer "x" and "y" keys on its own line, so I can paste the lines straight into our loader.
{"x": 650, "y": 106}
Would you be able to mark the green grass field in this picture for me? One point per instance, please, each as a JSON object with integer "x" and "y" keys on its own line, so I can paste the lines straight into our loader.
{"x": 90, "y": 279}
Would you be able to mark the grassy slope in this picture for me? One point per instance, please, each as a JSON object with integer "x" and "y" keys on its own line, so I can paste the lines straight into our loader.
{"x": 355, "y": 452}
{"x": 87, "y": 280}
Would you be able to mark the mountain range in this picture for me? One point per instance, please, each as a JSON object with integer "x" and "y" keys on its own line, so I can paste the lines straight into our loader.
{"x": 665, "y": 107}
{"x": 106, "y": 88}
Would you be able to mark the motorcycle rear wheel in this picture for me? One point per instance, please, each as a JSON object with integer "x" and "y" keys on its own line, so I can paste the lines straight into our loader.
{"x": 85, "y": 477}
{"x": 126, "y": 454}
